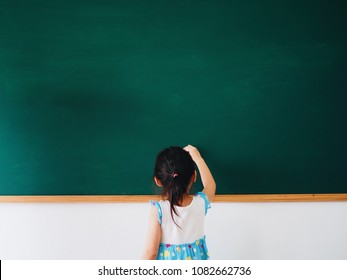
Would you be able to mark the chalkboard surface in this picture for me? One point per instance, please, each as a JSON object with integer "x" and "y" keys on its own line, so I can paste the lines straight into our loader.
{"x": 91, "y": 91}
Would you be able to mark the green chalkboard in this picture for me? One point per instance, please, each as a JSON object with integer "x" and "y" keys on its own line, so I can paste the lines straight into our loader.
{"x": 92, "y": 90}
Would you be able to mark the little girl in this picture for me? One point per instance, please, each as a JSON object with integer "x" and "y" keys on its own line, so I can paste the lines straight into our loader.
{"x": 176, "y": 226}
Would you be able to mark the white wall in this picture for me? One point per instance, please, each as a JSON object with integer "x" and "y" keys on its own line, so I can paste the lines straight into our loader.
{"x": 117, "y": 231}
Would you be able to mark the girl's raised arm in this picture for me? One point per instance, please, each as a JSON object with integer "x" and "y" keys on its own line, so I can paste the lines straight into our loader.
{"x": 205, "y": 173}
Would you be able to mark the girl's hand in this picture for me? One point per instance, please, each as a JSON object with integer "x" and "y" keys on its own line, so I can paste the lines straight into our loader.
{"x": 194, "y": 153}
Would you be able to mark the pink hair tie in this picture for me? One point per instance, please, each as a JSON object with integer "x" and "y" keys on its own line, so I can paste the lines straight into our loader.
{"x": 174, "y": 175}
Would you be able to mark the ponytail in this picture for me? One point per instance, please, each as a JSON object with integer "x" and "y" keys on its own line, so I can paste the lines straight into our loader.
{"x": 176, "y": 196}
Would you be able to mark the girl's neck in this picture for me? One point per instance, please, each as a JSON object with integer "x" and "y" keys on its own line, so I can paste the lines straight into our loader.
{"x": 186, "y": 200}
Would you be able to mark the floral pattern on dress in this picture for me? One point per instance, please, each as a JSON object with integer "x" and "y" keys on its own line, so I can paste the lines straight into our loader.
{"x": 196, "y": 250}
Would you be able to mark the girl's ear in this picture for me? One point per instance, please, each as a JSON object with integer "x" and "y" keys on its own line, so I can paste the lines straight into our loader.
{"x": 193, "y": 179}
{"x": 157, "y": 181}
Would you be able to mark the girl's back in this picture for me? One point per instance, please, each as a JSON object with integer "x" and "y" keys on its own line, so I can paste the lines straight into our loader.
{"x": 184, "y": 239}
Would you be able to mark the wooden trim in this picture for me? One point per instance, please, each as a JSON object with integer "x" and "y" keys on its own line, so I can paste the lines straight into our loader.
{"x": 146, "y": 198}
{"x": 78, "y": 198}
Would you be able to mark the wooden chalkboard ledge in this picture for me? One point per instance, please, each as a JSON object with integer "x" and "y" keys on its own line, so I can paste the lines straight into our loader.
{"x": 146, "y": 198}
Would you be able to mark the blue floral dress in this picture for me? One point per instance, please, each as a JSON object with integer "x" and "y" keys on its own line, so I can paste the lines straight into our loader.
{"x": 172, "y": 247}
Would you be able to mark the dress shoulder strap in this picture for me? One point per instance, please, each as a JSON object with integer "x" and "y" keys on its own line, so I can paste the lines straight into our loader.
{"x": 205, "y": 198}
{"x": 160, "y": 213}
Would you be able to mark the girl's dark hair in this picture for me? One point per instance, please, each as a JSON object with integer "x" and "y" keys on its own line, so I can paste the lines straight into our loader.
{"x": 174, "y": 168}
